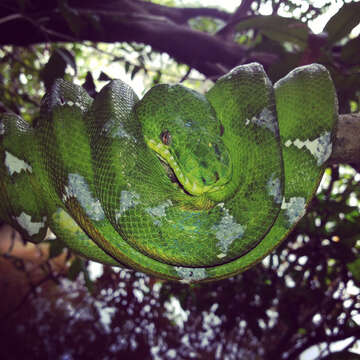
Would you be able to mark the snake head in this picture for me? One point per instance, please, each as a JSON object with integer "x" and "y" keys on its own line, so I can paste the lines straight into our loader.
{"x": 181, "y": 127}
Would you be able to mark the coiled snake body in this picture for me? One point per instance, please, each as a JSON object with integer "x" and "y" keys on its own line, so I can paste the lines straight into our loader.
{"x": 180, "y": 185}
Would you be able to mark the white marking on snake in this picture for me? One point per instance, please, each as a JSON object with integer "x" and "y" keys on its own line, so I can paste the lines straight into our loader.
{"x": 120, "y": 132}
{"x": 190, "y": 274}
{"x": 66, "y": 194}
{"x": 320, "y": 147}
{"x": 274, "y": 188}
{"x": 79, "y": 188}
{"x": 80, "y": 106}
{"x": 265, "y": 119}
{"x": 227, "y": 230}
{"x": 158, "y": 211}
{"x": 294, "y": 208}
{"x": 2, "y": 128}
{"x": 32, "y": 227}
{"x": 77, "y": 104}
{"x": 128, "y": 199}
{"x": 221, "y": 255}
{"x": 15, "y": 165}
{"x": 117, "y": 130}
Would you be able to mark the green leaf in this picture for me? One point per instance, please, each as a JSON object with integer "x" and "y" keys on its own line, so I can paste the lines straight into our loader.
{"x": 134, "y": 71}
{"x": 104, "y": 77}
{"x": 89, "y": 84}
{"x": 280, "y": 68}
{"x": 354, "y": 268}
{"x": 56, "y": 248}
{"x": 75, "y": 268}
{"x": 56, "y": 66}
{"x": 68, "y": 57}
{"x": 127, "y": 67}
{"x": 156, "y": 78}
{"x": 88, "y": 282}
{"x": 341, "y": 24}
{"x": 302, "y": 331}
{"x": 277, "y": 28}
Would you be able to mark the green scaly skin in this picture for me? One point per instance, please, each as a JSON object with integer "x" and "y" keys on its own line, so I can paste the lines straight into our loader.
{"x": 179, "y": 185}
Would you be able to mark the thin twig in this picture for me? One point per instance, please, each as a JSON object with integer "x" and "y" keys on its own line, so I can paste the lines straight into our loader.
{"x": 11, "y": 17}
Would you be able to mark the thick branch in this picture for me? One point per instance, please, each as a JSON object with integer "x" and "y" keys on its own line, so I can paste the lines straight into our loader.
{"x": 164, "y": 28}
{"x": 182, "y": 15}
{"x": 347, "y": 144}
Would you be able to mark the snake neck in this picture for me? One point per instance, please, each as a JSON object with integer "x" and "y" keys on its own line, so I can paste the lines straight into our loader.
{"x": 188, "y": 201}
{"x": 201, "y": 202}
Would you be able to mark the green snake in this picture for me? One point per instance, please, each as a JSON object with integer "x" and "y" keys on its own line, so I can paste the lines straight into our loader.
{"x": 179, "y": 185}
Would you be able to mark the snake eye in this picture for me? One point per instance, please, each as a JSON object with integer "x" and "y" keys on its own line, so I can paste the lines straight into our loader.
{"x": 165, "y": 137}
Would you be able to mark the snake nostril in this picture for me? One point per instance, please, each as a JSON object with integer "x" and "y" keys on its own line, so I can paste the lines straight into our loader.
{"x": 203, "y": 180}
{"x": 217, "y": 177}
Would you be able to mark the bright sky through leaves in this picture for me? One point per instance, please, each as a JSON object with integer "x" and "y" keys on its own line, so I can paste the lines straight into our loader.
{"x": 316, "y": 26}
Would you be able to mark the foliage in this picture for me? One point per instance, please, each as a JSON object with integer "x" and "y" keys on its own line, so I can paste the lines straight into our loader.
{"x": 304, "y": 294}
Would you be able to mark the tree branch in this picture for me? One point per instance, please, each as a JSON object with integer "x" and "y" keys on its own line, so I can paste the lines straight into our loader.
{"x": 164, "y": 28}
{"x": 182, "y": 15}
{"x": 240, "y": 13}
{"x": 179, "y": 15}
{"x": 347, "y": 143}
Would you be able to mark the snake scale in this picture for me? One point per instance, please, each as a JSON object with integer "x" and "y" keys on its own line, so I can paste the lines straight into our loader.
{"x": 179, "y": 185}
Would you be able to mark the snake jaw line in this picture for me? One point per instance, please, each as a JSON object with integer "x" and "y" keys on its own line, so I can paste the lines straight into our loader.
{"x": 165, "y": 155}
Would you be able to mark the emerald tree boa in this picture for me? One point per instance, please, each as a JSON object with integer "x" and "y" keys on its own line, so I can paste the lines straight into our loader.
{"x": 179, "y": 185}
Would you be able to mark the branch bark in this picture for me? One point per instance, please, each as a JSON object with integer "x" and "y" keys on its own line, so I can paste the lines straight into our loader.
{"x": 347, "y": 144}
{"x": 164, "y": 28}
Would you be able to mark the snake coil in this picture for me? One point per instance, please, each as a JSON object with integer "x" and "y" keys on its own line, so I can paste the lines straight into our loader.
{"x": 180, "y": 185}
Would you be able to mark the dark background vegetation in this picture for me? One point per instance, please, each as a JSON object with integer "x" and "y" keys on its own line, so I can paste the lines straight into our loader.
{"x": 304, "y": 294}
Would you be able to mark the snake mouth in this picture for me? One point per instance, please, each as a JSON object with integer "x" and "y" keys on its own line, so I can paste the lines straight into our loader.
{"x": 171, "y": 174}
{"x": 176, "y": 174}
